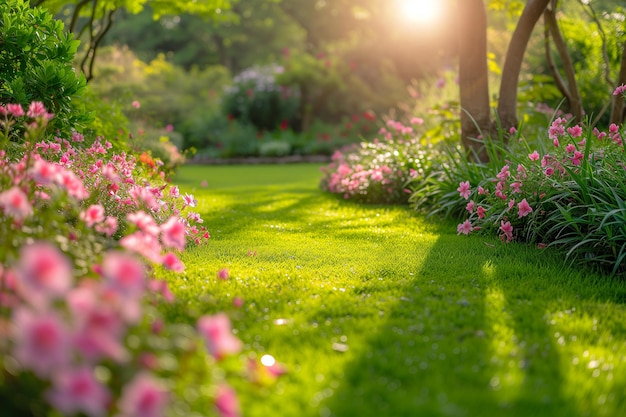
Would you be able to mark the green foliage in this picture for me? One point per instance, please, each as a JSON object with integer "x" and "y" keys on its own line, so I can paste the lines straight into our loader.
{"x": 158, "y": 95}
{"x": 36, "y": 63}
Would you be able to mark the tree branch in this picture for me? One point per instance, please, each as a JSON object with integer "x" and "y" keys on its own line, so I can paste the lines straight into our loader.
{"x": 75, "y": 15}
{"x": 556, "y": 75}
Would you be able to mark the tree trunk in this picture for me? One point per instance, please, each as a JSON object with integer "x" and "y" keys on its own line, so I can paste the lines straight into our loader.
{"x": 473, "y": 77}
{"x": 617, "y": 115}
{"x": 507, "y": 101}
{"x": 575, "y": 101}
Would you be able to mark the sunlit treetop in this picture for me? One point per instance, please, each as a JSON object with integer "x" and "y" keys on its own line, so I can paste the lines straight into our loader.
{"x": 219, "y": 9}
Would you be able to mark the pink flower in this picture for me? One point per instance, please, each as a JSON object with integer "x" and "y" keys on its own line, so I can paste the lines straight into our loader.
{"x": 171, "y": 262}
{"x": 557, "y": 129}
{"x": 570, "y": 148}
{"x": 144, "y": 222}
{"x": 77, "y": 137}
{"x": 15, "y": 109}
{"x": 136, "y": 104}
{"x": 619, "y": 90}
{"x": 516, "y": 186}
{"x": 216, "y": 331}
{"x": 575, "y": 131}
{"x": 144, "y": 396}
{"x": 43, "y": 171}
{"x": 43, "y": 272}
{"x": 189, "y": 200}
{"x": 109, "y": 227}
{"x": 482, "y": 191}
{"x": 161, "y": 287}
{"x": 78, "y": 390}
{"x": 464, "y": 189}
{"x": 124, "y": 273}
{"x": 223, "y": 274}
{"x": 99, "y": 327}
{"x": 173, "y": 233}
{"x": 470, "y": 206}
{"x": 37, "y": 109}
{"x": 578, "y": 156}
{"x": 523, "y": 209}
{"x": 549, "y": 171}
{"x": 15, "y": 203}
{"x": 226, "y": 402}
{"x": 417, "y": 121}
{"x": 511, "y": 204}
{"x": 507, "y": 230}
{"x": 512, "y": 130}
{"x": 41, "y": 341}
{"x": 144, "y": 244}
{"x": 480, "y": 211}
{"x": 94, "y": 214}
{"x": 504, "y": 173}
{"x": 465, "y": 228}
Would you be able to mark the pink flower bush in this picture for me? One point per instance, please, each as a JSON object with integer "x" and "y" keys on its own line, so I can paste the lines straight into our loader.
{"x": 89, "y": 229}
{"x": 378, "y": 171}
{"x": 512, "y": 202}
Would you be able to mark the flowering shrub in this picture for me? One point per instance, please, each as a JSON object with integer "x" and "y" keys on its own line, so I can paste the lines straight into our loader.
{"x": 81, "y": 235}
{"x": 256, "y": 98}
{"x": 378, "y": 171}
{"x": 570, "y": 195}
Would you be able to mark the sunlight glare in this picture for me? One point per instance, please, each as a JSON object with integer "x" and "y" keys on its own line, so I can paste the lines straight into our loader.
{"x": 422, "y": 11}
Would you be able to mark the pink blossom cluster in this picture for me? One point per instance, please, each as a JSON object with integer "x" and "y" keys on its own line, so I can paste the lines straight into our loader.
{"x": 77, "y": 279}
{"x": 515, "y": 196}
{"x": 377, "y": 171}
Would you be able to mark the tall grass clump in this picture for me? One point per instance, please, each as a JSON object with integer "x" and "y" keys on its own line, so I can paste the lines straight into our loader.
{"x": 569, "y": 193}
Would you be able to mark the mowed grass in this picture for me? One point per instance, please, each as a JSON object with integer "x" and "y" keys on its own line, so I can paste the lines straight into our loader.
{"x": 375, "y": 311}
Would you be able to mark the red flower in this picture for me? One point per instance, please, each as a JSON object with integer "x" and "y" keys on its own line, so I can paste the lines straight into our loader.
{"x": 369, "y": 115}
{"x": 284, "y": 125}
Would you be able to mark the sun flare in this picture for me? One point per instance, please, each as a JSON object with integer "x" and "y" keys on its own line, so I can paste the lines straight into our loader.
{"x": 422, "y": 11}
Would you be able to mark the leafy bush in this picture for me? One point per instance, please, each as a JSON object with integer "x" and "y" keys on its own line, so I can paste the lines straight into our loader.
{"x": 378, "y": 171}
{"x": 256, "y": 98}
{"x": 83, "y": 232}
{"x": 36, "y": 64}
{"x": 161, "y": 94}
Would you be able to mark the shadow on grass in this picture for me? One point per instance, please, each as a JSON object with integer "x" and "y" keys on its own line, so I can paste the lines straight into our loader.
{"x": 498, "y": 356}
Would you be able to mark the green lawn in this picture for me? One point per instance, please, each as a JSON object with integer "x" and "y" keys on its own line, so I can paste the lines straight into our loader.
{"x": 376, "y": 311}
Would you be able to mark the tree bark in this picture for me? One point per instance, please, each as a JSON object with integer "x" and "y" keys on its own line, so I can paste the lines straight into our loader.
{"x": 473, "y": 78}
{"x": 507, "y": 101}
{"x": 575, "y": 101}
